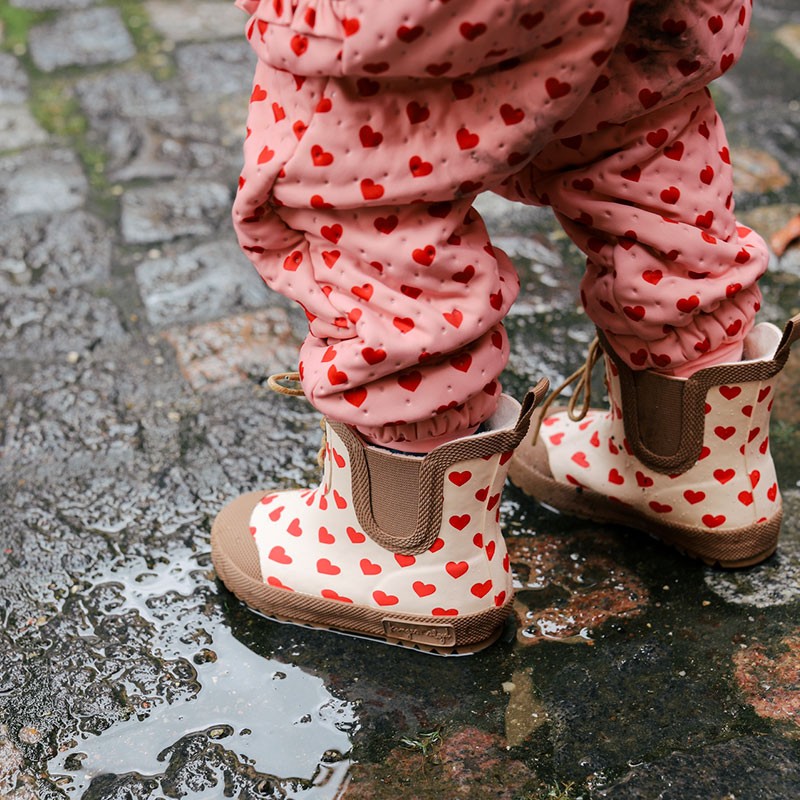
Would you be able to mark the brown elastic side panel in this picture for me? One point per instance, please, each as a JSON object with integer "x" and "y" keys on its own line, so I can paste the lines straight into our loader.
{"x": 394, "y": 505}
{"x": 398, "y": 499}
{"x": 650, "y": 400}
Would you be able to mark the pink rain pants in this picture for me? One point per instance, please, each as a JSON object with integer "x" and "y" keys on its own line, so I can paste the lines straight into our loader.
{"x": 372, "y": 127}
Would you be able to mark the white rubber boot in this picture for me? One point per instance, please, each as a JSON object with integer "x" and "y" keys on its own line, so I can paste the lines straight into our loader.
{"x": 684, "y": 459}
{"x": 404, "y": 548}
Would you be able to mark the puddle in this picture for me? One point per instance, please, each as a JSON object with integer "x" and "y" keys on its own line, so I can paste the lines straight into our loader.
{"x": 263, "y": 717}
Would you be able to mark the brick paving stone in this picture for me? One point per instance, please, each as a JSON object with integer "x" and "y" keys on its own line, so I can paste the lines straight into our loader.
{"x": 35, "y": 324}
{"x": 218, "y": 68}
{"x": 178, "y": 208}
{"x": 789, "y": 37}
{"x": 47, "y": 5}
{"x": 41, "y": 182}
{"x": 210, "y": 280}
{"x": 230, "y": 351}
{"x": 13, "y": 80}
{"x": 18, "y": 128}
{"x": 80, "y": 39}
{"x": 58, "y": 252}
{"x": 185, "y": 21}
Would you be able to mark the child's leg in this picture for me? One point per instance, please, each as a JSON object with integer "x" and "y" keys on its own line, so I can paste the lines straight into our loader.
{"x": 671, "y": 277}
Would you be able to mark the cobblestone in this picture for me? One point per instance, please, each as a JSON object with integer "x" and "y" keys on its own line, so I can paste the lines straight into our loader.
{"x": 81, "y": 39}
{"x": 135, "y": 341}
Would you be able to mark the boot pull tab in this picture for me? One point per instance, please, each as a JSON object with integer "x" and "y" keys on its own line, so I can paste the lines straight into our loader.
{"x": 530, "y": 402}
{"x": 791, "y": 333}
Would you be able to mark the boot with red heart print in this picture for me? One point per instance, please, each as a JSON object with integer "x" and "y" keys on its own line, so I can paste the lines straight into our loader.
{"x": 684, "y": 459}
{"x": 403, "y": 548}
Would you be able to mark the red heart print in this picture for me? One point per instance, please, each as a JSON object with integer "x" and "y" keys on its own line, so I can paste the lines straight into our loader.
{"x": 339, "y": 500}
{"x": 653, "y": 276}
{"x": 636, "y": 313}
{"x": 279, "y": 555}
{"x": 444, "y": 612}
{"x": 423, "y": 589}
{"x": 633, "y": 173}
{"x": 340, "y": 462}
{"x": 419, "y": 168}
{"x": 294, "y": 528}
{"x": 660, "y": 508}
{"x": 371, "y": 190}
{"x": 321, "y": 157}
{"x": 649, "y": 98}
{"x": 477, "y": 540}
{"x": 713, "y": 521}
{"x": 299, "y": 129}
{"x": 499, "y": 599}
{"x": 482, "y": 494}
{"x": 491, "y": 547}
{"x": 373, "y": 356}
{"x": 335, "y": 376}
{"x": 745, "y": 498}
{"x": 404, "y": 561}
{"x": 705, "y": 220}
{"x": 772, "y": 492}
{"x": 725, "y": 432}
{"x": 467, "y": 140}
{"x": 724, "y": 475}
{"x": 658, "y": 137}
{"x": 424, "y": 255}
{"x": 325, "y": 537}
{"x": 511, "y": 115}
{"x": 530, "y": 21}
{"x": 408, "y": 35}
{"x": 580, "y": 459}
{"x": 686, "y": 67}
{"x": 383, "y": 599}
{"x": 265, "y": 155}
{"x": 481, "y": 589}
{"x": 355, "y": 396}
{"x": 324, "y": 567}
{"x": 437, "y": 545}
{"x": 329, "y": 354}
{"x": 674, "y": 151}
{"x": 461, "y": 362}
{"x": 293, "y": 261}
{"x": 364, "y": 291}
{"x": 688, "y": 304}
{"x": 465, "y": 275}
{"x": 411, "y": 291}
{"x": 671, "y": 195}
{"x": 369, "y": 567}
{"x": 417, "y": 113}
{"x": 471, "y": 32}
{"x": 715, "y": 24}
{"x": 275, "y": 514}
{"x": 455, "y": 569}
{"x": 729, "y": 392}
{"x": 356, "y": 537}
{"x": 557, "y": 89}
{"x": 403, "y": 324}
{"x": 332, "y": 232}
{"x": 386, "y": 224}
{"x": 409, "y": 381}
{"x": 557, "y": 438}
{"x": 369, "y": 137}
{"x": 454, "y": 317}
{"x": 351, "y": 26}
{"x": 258, "y": 94}
{"x": 460, "y": 521}
{"x": 459, "y": 478}
{"x": 694, "y": 497}
{"x": 707, "y": 174}
{"x": 438, "y": 69}
{"x": 615, "y": 478}
{"x": 591, "y": 18}
{"x": 493, "y": 501}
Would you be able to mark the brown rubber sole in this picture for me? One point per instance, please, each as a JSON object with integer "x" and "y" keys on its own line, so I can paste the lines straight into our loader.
{"x": 236, "y": 562}
{"x": 729, "y": 549}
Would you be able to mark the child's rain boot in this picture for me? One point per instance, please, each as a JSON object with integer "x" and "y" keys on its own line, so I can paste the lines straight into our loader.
{"x": 684, "y": 459}
{"x": 407, "y": 549}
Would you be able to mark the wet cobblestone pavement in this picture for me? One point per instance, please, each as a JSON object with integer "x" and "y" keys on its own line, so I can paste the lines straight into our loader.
{"x": 135, "y": 340}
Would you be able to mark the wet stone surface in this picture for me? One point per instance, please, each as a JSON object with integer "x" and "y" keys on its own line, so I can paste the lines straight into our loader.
{"x": 135, "y": 341}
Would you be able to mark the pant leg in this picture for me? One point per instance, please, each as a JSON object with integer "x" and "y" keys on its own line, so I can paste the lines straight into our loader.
{"x": 642, "y": 182}
{"x": 356, "y": 199}
{"x": 671, "y": 277}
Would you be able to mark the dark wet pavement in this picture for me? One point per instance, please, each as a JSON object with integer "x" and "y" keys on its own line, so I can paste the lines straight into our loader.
{"x": 135, "y": 341}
